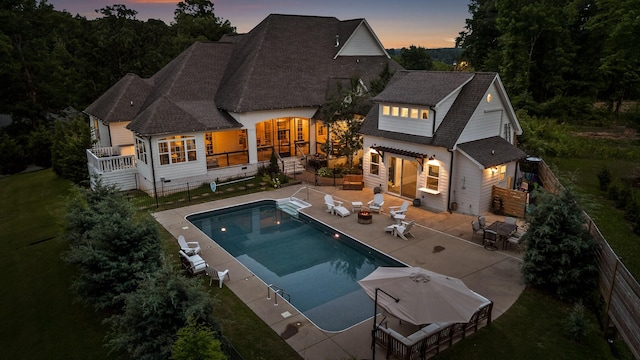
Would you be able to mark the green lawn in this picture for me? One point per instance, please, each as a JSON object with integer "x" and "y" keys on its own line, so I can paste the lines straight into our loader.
{"x": 38, "y": 316}
{"x": 581, "y": 174}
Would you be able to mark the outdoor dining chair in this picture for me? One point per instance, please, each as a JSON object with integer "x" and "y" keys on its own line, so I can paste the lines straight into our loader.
{"x": 475, "y": 226}
{"x": 489, "y": 240}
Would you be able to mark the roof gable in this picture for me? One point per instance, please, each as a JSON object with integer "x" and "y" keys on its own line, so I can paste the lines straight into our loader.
{"x": 362, "y": 42}
{"x": 285, "y": 62}
{"x": 122, "y": 101}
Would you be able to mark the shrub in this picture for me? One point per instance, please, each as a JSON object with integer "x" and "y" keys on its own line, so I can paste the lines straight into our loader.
{"x": 196, "y": 341}
{"x": 560, "y": 251}
{"x": 153, "y": 314}
{"x": 12, "y": 155}
{"x": 576, "y": 323}
{"x": 604, "y": 178}
{"x": 325, "y": 172}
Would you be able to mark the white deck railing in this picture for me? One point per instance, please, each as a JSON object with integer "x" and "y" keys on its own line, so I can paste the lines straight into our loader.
{"x": 105, "y": 160}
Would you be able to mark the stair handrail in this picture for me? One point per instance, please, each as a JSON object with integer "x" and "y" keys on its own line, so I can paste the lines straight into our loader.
{"x": 277, "y": 291}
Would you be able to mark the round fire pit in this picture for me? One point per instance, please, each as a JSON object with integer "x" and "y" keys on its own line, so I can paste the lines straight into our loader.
{"x": 365, "y": 217}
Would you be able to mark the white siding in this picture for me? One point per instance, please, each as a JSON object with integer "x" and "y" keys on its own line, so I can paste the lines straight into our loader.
{"x": 467, "y": 185}
{"x": 124, "y": 179}
{"x": 103, "y": 132}
{"x": 120, "y": 135}
{"x": 371, "y": 180}
{"x": 487, "y": 119}
{"x": 405, "y": 125}
{"x": 361, "y": 43}
{"x": 176, "y": 172}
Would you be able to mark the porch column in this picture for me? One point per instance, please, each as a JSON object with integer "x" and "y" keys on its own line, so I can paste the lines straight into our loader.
{"x": 252, "y": 145}
{"x": 312, "y": 136}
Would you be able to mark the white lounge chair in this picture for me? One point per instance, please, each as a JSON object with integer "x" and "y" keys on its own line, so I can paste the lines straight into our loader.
{"x": 375, "y": 205}
{"x": 216, "y": 275}
{"x": 335, "y": 207}
{"x": 399, "y": 212}
{"x": 194, "y": 263}
{"x": 189, "y": 247}
{"x": 404, "y": 229}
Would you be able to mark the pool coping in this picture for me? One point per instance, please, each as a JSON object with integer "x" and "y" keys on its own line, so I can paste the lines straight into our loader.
{"x": 440, "y": 245}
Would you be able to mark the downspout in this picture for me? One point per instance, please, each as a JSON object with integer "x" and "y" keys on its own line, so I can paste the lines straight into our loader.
{"x": 153, "y": 172}
{"x": 450, "y": 179}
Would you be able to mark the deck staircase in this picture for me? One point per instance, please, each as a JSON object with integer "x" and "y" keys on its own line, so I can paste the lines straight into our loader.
{"x": 293, "y": 165}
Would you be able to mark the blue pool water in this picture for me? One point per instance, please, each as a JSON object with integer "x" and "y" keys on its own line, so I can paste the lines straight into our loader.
{"x": 316, "y": 265}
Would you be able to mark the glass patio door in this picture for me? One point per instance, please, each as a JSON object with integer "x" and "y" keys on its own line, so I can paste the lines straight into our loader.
{"x": 403, "y": 177}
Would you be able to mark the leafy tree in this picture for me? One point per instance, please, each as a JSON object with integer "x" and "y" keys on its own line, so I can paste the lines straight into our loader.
{"x": 415, "y": 58}
{"x": 343, "y": 113}
{"x": 379, "y": 84}
{"x": 620, "y": 51}
{"x": 12, "y": 155}
{"x": 153, "y": 314}
{"x": 40, "y": 144}
{"x": 560, "y": 255}
{"x": 480, "y": 38}
{"x": 68, "y": 153}
{"x": 196, "y": 341}
{"x": 112, "y": 248}
{"x": 195, "y": 20}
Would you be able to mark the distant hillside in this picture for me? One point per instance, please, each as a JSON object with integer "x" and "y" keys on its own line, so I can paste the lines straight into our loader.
{"x": 444, "y": 55}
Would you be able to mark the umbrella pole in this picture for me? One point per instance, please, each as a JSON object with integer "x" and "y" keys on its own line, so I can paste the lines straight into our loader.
{"x": 375, "y": 324}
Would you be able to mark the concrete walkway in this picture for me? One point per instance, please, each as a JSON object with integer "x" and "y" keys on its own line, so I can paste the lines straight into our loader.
{"x": 442, "y": 244}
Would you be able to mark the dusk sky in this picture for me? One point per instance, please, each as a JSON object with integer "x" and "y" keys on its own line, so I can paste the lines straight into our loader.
{"x": 399, "y": 23}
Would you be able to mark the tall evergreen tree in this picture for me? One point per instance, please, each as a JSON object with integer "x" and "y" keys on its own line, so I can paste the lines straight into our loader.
{"x": 560, "y": 253}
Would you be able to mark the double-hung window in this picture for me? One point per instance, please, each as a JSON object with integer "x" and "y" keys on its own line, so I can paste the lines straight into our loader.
{"x": 177, "y": 149}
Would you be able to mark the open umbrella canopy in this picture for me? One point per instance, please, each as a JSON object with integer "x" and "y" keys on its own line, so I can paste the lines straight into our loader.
{"x": 424, "y": 296}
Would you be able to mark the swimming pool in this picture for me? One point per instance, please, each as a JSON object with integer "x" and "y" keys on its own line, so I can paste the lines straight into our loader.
{"x": 317, "y": 266}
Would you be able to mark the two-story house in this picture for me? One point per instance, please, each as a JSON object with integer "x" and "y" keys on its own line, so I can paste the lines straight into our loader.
{"x": 445, "y": 138}
{"x": 220, "y": 109}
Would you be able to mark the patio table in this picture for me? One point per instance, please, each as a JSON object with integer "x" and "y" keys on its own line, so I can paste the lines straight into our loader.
{"x": 503, "y": 230}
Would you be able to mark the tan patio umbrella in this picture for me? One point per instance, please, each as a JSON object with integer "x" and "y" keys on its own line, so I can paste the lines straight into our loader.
{"x": 423, "y": 296}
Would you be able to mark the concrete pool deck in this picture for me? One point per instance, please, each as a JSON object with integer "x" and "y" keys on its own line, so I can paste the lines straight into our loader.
{"x": 442, "y": 243}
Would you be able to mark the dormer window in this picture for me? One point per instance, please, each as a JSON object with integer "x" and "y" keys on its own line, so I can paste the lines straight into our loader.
{"x": 404, "y": 112}
{"x": 386, "y": 110}
{"x": 395, "y": 111}
{"x": 414, "y": 113}
{"x": 425, "y": 114}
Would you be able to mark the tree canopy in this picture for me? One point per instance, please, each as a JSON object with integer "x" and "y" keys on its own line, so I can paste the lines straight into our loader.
{"x": 548, "y": 49}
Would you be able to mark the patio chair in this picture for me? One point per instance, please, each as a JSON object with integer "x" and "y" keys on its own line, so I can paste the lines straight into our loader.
{"x": 375, "y": 205}
{"x": 216, "y": 275}
{"x": 490, "y": 239}
{"x": 399, "y": 211}
{"x": 189, "y": 247}
{"x": 404, "y": 229}
{"x": 475, "y": 226}
{"x": 335, "y": 207}
{"x": 194, "y": 263}
{"x": 510, "y": 220}
{"x": 514, "y": 240}
{"x": 482, "y": 221}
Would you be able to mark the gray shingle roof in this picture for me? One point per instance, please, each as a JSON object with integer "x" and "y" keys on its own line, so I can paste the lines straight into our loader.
{"x": 492, "y": 151}
{"x": 122, "y": 101}
{"x": 425, "y": 88}
{"x": 462, "y": 109}
{"x": 424, "y": 82}
{"x": 287, "y": 61}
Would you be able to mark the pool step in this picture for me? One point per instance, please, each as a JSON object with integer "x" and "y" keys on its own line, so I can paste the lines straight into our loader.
{"x": 292, "y": 205}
